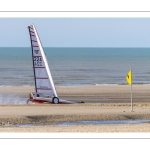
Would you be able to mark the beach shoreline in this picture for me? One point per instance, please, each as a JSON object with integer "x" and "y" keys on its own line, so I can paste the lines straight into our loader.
{"x": 88, "y": 94}
{"x": 109, "y": 102}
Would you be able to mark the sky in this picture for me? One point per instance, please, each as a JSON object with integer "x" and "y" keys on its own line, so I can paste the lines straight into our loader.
{"x": 77, "y": 32}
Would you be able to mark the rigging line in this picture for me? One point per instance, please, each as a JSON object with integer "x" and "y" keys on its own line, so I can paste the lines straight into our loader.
{"x": 61, "y": 78}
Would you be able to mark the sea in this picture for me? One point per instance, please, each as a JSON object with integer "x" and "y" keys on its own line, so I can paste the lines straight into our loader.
{"x": 74, "y": 66}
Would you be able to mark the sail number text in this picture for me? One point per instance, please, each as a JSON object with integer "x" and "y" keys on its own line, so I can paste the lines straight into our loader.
{"x": 37, "y": 61}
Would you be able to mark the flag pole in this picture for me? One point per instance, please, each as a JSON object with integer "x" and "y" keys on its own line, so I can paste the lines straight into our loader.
{"x": 131, "y": 91}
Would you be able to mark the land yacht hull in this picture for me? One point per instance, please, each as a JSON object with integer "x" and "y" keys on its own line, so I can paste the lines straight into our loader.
{"x": 42, "y": 100}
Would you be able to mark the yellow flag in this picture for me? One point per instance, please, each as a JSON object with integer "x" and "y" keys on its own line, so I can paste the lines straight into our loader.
{"x": 129, "y": 77}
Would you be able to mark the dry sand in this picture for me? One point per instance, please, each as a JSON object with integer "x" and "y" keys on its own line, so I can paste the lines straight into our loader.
{"x": 107, "y": 102}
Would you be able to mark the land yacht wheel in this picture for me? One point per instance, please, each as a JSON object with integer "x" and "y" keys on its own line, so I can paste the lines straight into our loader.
{"x": 55, "y": 100}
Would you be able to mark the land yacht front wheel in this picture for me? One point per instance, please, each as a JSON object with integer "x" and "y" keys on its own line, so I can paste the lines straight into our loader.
{"x": 55, "y": 100}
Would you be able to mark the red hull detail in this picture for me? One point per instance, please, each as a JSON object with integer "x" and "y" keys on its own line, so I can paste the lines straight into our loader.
{"x": 43, "y": 101}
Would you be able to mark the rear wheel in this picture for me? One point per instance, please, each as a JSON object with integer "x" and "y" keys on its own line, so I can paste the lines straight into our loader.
{"x": 55, "y": 100}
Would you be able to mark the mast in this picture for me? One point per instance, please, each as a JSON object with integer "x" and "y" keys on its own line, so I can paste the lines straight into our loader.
{"x": 32, "y": 57}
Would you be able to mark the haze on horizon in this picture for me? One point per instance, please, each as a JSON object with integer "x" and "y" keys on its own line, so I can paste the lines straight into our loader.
{"x": 77, "y": 32}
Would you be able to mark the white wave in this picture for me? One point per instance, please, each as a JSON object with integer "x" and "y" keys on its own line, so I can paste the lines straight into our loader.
{"x": 104, "y": 84}
{"x": 12, "y": 99}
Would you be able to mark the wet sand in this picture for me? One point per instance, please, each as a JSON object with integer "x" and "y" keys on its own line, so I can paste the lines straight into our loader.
{"x": 107, "y": 102}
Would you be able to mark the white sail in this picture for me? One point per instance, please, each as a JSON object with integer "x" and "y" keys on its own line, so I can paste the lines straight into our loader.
{"x": 43, "y": 80}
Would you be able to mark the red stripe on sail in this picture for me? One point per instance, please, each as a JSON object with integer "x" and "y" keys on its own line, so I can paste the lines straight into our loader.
{"x": 43, "y": 88}
{"x": 31, "y": 31}
{"x": 30, "y": 27}
{"x": 32, "y": 35}
{"x": 37, "y": 56}
{"x": 33, "y": 41}
{"x": 40, "y": 78}
{"x": 34, "y": 46}
{"x": 38, "y": 67}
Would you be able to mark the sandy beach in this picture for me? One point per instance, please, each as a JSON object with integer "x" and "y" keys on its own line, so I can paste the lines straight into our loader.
{"x": 101, "y": 103}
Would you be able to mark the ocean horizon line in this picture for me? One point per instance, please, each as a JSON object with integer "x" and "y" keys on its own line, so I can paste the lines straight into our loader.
{"x": 69, "y": 47}
{"x": 73, "y": 85}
